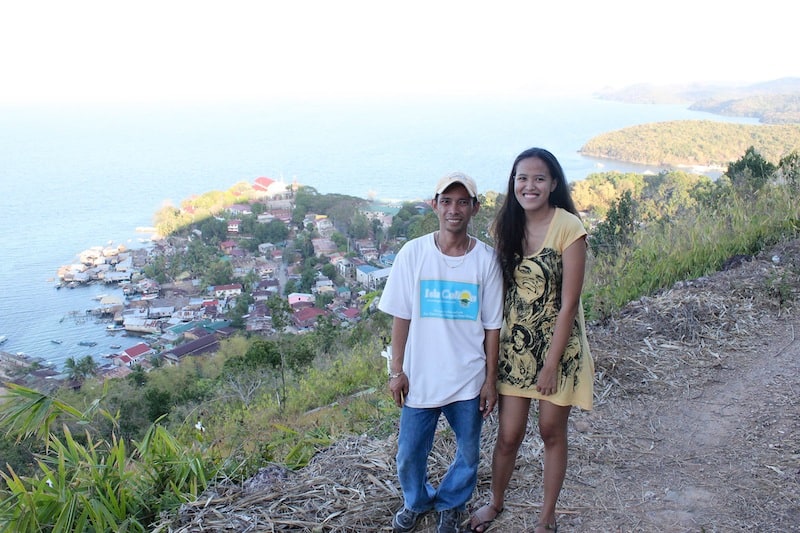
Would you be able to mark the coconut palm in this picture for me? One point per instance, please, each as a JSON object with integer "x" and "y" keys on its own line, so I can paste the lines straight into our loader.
{"x": 79, "y": 370}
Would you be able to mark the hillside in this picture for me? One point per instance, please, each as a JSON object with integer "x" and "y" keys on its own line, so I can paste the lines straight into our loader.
{"x": 695, "y": 428}
{"x": 685, "y": 143}
{"x": 772, "y": 102}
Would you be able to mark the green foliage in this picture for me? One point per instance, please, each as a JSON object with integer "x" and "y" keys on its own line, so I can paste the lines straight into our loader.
{"x": 301, "y": 446}
{"x": 596, "y": 193}
{"x": 92, "y": 484}
{"x": 200, "y": 209}
{"x": 326, "y": 333}
{"x": 79, "y": 488}
{"x": 18, "y": 454}
{"x": 690, "y": 246}
{"x": 213, "y": 231}
{"x": 260, "y": 354}
{"x": 693, "y": 142}
{"x": 359, "y": 226}
{"x": 196, "y": 256}
{"x": 422, "y": 225}
{"x": 280, "y": 311}
{"x": 670, "y": 194}
{"x": 340, "y": 207}
{"x": 31, "y": 413}
{"x": 173, "y": 473}
{"x": 80, "y": 369}
{"x": 169, "y": 220}
{"x": 340, "y": 241}
{"x": 406, "y": 216}
{"x": 218, "y": 273}
{"x": 750, "y": 173}
{"x": 257, "y": 208}
{"x": 157, "y": 402}
{"x": 273, "y": 231}
{"x": 616, "y": 232}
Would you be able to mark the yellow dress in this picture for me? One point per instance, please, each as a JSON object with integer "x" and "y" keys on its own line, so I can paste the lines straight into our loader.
{"x": 530, "y": 309}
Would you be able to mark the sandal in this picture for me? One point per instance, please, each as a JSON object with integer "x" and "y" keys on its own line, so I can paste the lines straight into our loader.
{"x": 484, "y": 524}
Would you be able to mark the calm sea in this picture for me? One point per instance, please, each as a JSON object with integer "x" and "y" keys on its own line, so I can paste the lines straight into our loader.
{"x": 73, "y": 178}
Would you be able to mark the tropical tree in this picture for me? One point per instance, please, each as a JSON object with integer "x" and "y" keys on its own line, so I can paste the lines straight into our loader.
{"x": 219, "y": 272}
{"x": 79, "y": 370}
{"x": 750, "y": 173}
{"x": 359, "y": 226}
{"x": 327, "y": 331}
{"x": 421, "y": 225}
{"x": 273, "y": 231}
{"x": 616, "y": 231}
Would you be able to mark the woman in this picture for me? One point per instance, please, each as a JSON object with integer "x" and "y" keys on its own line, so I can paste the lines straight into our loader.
{"x": 544, "y": 354}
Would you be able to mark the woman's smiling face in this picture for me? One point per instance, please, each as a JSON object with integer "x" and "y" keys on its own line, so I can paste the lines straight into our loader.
{"x": 533, "y": 184}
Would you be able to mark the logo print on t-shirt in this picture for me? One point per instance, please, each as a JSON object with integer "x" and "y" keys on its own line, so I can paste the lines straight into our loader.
{"x": 453, "y": 300}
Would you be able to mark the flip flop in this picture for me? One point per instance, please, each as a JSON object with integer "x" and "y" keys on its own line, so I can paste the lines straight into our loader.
{"x": 484, "y": 525}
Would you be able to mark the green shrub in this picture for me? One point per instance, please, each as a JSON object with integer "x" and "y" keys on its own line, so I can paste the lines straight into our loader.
{"x": 92, "y": 484}
{"x": 690, "y": 246}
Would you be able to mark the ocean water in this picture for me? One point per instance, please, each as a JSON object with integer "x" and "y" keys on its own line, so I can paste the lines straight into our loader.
{"x": 78, "y": 177}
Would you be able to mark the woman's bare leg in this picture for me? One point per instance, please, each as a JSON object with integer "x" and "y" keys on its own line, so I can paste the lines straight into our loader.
{"x": 553, "y": 430}
{"x": 513, "y": 412}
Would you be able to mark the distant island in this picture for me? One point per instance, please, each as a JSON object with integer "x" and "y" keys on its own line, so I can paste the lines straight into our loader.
{"x": 706, "y": 144}
{"x": 772, "y": 102}
{"x": 700, "y": 144}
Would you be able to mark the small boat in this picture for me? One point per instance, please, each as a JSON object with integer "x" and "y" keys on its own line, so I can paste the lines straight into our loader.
{"x": 115, "y": 346}
{"x": 87, "y": 343}
{"x": 55, "y": 341}
{"x": 3, "y": 338}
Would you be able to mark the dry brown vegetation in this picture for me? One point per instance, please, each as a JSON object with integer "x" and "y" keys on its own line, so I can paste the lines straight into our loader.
{"x": 696, "y": 427}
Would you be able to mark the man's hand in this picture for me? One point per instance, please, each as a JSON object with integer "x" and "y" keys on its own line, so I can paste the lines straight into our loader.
{"x": 488, "y": 398}
{"x": 398, "y": 386}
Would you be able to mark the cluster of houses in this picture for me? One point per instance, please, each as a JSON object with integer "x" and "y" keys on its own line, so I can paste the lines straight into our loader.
{"x": 177, "y": 320}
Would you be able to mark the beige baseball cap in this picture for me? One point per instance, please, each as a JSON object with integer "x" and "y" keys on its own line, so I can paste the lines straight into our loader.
{"x": 457, "y": 177}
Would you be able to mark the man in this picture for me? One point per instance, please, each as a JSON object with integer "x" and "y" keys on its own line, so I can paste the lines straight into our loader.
{"x": 445, "y": 296}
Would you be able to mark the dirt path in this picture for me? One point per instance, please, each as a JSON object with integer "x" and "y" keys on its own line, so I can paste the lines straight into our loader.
{"x": 723, "y": 457}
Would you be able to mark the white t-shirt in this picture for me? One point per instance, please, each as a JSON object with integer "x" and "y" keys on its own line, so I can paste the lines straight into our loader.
{"x": 450, "y": 302}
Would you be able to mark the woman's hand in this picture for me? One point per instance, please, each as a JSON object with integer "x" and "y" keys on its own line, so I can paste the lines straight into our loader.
{"x": 547, "y": 383}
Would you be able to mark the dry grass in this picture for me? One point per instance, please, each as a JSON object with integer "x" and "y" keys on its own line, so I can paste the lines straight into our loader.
{"x": 695, "y": 428}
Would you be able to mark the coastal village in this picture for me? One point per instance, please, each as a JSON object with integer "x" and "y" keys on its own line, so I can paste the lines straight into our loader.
{"x": 183, "y": 318}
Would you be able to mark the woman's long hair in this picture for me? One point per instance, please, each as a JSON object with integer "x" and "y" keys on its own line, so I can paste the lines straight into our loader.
{"x": 509, "y": 225}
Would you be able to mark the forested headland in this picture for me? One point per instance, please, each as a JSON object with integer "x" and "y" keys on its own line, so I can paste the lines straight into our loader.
{"x": 693, "y": 143}
{"x": 706, "y": 144}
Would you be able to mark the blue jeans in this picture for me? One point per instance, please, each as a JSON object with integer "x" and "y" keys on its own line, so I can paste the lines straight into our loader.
{"x": 417, "y": 429}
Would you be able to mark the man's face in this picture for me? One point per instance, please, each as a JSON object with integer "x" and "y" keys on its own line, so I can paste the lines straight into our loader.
{"x": 455, "y": 207}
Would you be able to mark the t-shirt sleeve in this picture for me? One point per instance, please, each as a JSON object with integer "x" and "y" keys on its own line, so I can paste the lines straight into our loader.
{"x": 396, "y": 297}
{"x": 492, "y": 310}
{"x": 571, "y": 229}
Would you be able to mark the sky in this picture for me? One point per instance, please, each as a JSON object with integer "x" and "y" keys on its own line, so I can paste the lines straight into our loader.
{"x": 184, "y": 51}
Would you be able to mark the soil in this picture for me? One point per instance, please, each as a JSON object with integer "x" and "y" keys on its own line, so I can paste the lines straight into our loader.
{"x": 696, "y": 428}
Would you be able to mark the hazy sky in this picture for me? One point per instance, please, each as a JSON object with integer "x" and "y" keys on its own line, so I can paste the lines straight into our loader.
{"x": 170, "y": 50}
